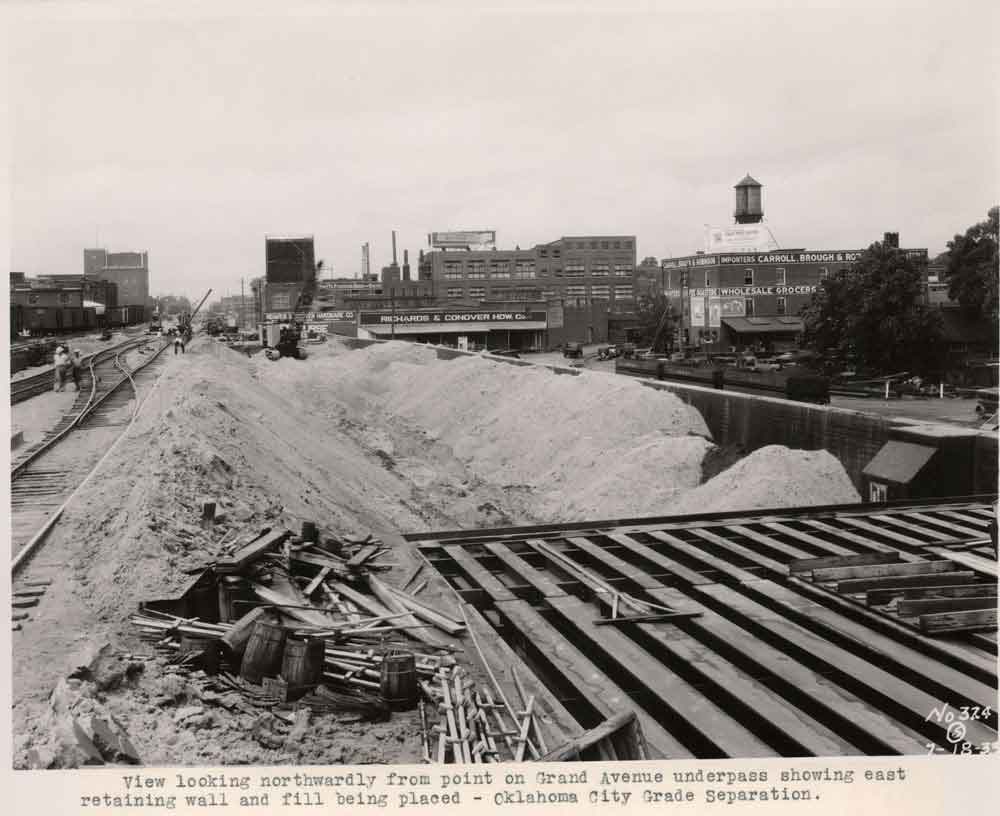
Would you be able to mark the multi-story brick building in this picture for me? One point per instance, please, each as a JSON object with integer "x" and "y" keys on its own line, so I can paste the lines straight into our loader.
{"x": 129, "y": 271}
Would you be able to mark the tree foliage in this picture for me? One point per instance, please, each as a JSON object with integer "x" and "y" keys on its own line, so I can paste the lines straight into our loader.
{"x": 972, "y": 267}
{"x": 656, "y": 322}
{"x": 874, "y": 315}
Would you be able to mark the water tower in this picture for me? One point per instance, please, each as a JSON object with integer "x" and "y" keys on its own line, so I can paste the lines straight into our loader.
{"x": 749, "y": 209}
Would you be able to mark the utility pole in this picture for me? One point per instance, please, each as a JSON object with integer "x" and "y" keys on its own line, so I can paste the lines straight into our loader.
{"x": 392, "y": 303}
{"x": 243, "y": 305}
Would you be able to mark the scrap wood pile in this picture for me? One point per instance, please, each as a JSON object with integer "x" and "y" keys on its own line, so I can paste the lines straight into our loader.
{"x": 282, "y": 617}
{"x": 474, "y": 727}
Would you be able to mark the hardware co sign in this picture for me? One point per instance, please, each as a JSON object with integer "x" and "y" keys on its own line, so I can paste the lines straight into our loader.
{"x": 448, "y": 317}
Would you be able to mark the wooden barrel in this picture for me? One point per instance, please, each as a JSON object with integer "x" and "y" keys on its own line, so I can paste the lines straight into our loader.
{"x": 302, "y": 664}
{"x": 232, "y": 588}
{"x": 309, "y": 532}
{"x": 262, "y": 657}
{"x": 208, "y": 648}
{"x": 399, "y": 681}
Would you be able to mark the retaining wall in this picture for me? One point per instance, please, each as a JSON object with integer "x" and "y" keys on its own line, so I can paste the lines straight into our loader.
{"x": 751, "y": 421}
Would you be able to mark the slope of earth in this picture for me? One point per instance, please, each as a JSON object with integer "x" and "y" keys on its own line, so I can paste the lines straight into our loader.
{"x": 379, "y": 440}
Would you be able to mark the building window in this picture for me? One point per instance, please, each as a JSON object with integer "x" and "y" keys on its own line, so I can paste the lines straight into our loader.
{"x": 455, "y": 292}
{"x": 599, "y": 270}
{"x": 779, "y": 277}
{"x": 782, "y": 306}
{"x": 823, "y": 272}
{"x": 576, "y": 291}
{"x": 593, "y": 244}
{"x": 500, "y": 270}
{"x": 524, "y": 270}
{"x": 708, "y": 279}
{"x": 628, "y": 245}
{"x": 32, "y": 300}
{"x": 64, "y": 297}
{"x": 600, "y": 292}
{"x": 543, "y": 253}
{"x": 748, "y": 308}
{"x": 477, "y": 292}
{"x": 618, "y": 245}
{"x": 624, "y": 293}
{"x": 748, "y": 277}
{"x": 623, "y": 270}
{"x": 556, "y": 253}
{"x": 280, "y": 301}
{"x": 476, "y": 269}
{"x": 452, "y": 272}
{"x": 574, "y": 270}
{"x": 604, "y": 245}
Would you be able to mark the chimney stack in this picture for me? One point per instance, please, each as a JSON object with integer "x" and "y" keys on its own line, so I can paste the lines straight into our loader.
{"x": 394, "y": 247}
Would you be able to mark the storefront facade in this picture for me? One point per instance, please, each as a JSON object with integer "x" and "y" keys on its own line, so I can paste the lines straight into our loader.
{"x": 520, "y": 328}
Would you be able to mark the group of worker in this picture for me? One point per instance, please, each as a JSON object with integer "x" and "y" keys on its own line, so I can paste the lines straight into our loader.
{"x": 67, "y": 366}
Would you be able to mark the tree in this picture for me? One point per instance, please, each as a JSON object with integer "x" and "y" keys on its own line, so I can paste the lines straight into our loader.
{"x": 173, "y": 304}
{"x": 972, "y": 268}
{"x": 656, "y": 322}
{"x": 875, "y": 316}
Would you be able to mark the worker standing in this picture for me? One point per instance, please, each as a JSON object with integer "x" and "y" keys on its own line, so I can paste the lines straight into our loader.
{"x": 61, "y": 362}
{"x": 77, "y": 365}
{"x": 177, "y": 344}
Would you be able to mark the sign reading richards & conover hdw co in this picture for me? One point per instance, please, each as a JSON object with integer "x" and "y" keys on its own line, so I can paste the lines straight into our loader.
{"x": 448, "y": 317}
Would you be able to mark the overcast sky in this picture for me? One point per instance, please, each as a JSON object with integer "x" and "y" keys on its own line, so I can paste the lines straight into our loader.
{"x": 192, "y": 130}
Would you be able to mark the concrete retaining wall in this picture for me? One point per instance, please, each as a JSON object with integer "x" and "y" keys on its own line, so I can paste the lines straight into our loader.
{"x": 751, "y": 421}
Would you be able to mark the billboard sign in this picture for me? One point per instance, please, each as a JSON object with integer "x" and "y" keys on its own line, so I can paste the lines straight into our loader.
{"x": 739, "y": 238}
{"x": 463, "y": 239}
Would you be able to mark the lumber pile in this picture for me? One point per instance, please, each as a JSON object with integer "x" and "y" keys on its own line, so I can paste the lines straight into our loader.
{"x": 280, "y": 617}
{"x": 472, "y": 727}
{"x": 936, "y": 597}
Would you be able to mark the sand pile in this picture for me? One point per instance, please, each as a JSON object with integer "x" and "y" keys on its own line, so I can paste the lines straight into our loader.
{"x": 562, "y": 446}
{"x": 773, "y": 476}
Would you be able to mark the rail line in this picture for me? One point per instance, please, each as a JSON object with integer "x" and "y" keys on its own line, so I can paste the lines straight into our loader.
{"x": 28, "y": 387}
{"x": 45, "y": 476}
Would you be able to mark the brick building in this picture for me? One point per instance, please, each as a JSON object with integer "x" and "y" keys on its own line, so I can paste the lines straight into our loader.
{"x": 129, "y": 271}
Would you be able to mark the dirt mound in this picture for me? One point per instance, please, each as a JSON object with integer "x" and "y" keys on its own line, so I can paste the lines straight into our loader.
{"x": 773, "y": 476}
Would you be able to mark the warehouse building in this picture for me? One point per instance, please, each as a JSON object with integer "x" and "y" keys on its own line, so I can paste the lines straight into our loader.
{"x": 129, "y": 271}
{"x": 744, "y": 293}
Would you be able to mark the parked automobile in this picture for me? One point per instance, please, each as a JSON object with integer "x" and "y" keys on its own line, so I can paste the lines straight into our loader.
{"x": 572, "y": 350}
{"x": 986, "y": 401}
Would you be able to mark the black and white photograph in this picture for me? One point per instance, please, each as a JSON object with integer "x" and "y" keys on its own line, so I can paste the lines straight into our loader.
{"x": 461, "y": 384}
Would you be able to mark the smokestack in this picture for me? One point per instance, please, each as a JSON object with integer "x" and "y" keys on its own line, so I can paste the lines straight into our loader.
{"x": 406, "y": 264}
{"x": 394, "y": 247}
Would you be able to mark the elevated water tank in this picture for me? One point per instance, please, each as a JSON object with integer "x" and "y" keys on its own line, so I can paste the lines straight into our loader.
{"x": 749, "y": 206}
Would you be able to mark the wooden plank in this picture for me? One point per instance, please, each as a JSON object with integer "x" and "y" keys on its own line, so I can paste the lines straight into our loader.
{"x": 895, "y": 520}
{"x": 588, "y": 682}
{"x": 864, "y": 584}
{"x": 924, "y": 606}
{"x": 887, "y": 645}
{"x": 847, "y": 535}
{"x": 688, "y": 703}
{"x": 366, "y": 603}
{"x": 884, "y": 595}
{"x": 968, "y": 591}
{"x": 882, "y": 570}
{"x": 710, "y": 561}
{"x": 837, "y": 712}
{"x": 965, "y": 518}
{"x": 313, "y": 585}
{"x": 983, "y": 566}
{"x": 881, "y": 685}
{"x": 804, "y": 565}
{"x": 252, "y": 551}
{"x": 426, "y": 613}
{"x": 816, "y": 541}
{"x": 956, "y": 530}
{"x": 884, "y": 531}
{"x": 358, "y": 559}
{"x": 571, "y": 750}
{"x": 537, "y": 579}
{"x": 675, "y": 568}
{"x": 623, "y": 568}
{"x": 959, "y": 621}
{"x": 762, "y": 560}
{"x": 479, "y": 574}
{"x": 786, "y": 549}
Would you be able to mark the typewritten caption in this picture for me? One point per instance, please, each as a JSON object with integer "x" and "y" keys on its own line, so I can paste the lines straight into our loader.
{"x": 380, "y": 789}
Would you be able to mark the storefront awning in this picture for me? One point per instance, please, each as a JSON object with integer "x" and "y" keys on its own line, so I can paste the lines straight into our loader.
{"x": 764, "y": 325}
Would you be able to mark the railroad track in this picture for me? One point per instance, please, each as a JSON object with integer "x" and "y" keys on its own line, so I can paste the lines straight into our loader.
{"x": 46, "y": 474}
{"x": 36, "y": 384}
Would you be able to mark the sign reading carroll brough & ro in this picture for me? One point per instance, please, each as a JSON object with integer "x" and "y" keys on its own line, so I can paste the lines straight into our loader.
{"x": 446, "y": 317}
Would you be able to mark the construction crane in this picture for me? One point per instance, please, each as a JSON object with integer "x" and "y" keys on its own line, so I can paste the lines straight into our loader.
{"x": 185, "y": 323}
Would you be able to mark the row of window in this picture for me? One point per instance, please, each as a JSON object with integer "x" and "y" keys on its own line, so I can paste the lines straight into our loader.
{"x": 591, "y": 292}
{"x": 748, "y": 276}
{"x": 592, "y": 245}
